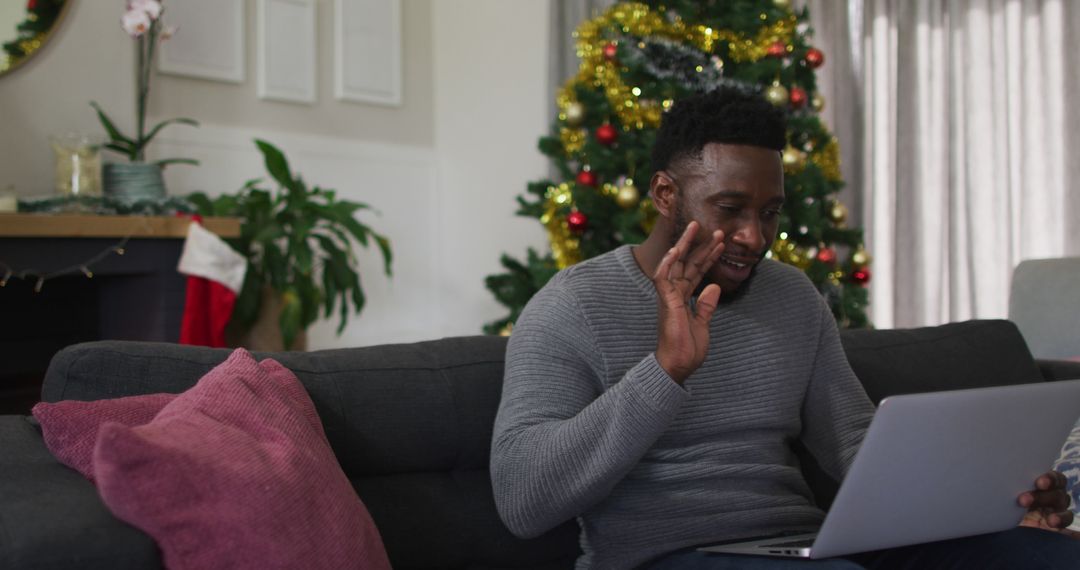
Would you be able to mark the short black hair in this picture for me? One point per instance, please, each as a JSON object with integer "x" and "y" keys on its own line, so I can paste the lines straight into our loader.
{"x": 727, "y": 115}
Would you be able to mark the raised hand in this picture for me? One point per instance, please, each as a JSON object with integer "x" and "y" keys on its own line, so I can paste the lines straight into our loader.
{"x": 1048, "y": 504}
{"x": 683, "y": 330}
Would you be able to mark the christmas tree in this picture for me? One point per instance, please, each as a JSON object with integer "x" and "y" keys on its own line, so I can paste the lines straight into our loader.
{"x": 636, "y": 60}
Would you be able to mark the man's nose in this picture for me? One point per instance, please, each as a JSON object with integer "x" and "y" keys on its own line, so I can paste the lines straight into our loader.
{"x": 749, "y": 235}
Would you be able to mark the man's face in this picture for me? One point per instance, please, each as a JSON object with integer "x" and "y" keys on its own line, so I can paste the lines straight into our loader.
{"x": 739, "y": 190}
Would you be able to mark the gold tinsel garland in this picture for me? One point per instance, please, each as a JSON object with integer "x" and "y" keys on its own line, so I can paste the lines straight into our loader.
{"x": 565, "y": 247}
{"x": 828, "y": 160}
{"x": 639, "y": 21}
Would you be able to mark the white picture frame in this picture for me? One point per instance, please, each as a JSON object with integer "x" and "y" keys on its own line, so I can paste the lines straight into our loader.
{"x": 367, "y": 51}
{"x": 209, "y": 42}
{"x": 286, "y": 50}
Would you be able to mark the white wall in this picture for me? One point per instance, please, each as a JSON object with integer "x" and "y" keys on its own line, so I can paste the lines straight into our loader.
{"x": 88, "y": 59}
{"x": 491, "y": 101}
{"x": 221, "y": 103}
{"x": 443, "y": 169}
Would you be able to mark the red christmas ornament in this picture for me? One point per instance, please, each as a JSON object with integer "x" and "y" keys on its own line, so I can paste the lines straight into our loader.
{"x": 606, "y": 134}
{"x": 586, "y": 178}
{"x": 777, "y": 49}
{"x": 815, "y": 58}
{"x": 31, "y": 5}
{"x": 861, "y": 276}
{"x": 577, "y": 222}
{"x": 610, "y": 51}
{"x": 797, "y": 97}
{"x": 826, "y": 255}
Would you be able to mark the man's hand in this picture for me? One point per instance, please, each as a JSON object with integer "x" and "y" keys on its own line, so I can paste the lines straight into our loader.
{"x": 684, "y": 331}
{"x": 1048, "y": 503}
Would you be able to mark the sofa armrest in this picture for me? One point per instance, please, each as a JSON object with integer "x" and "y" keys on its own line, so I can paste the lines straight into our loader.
{"x": 52, "y": 517}
{"x": 1058, "y": 369}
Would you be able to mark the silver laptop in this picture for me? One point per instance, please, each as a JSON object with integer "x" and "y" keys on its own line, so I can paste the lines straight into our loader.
{"x": 937, "y": 466}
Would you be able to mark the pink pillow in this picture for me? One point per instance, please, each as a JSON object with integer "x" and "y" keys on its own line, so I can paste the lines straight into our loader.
{"x": 232, "y": 474}
{"x": 70, "y": 428}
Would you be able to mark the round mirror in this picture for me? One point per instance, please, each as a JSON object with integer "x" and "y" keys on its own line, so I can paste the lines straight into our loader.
{"x": 25, "y": 27}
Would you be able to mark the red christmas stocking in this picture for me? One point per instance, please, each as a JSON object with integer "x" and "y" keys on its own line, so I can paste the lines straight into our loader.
{"x": 215, "y": 274}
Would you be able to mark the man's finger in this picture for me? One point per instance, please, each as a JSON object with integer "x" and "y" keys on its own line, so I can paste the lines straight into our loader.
{"x": 1051, "y": 480}
{"x": 1056, "y": 500}
{"x": 686, "y": 239}
{"x": 706, "y": 303}
{"x": 699, "y": 258}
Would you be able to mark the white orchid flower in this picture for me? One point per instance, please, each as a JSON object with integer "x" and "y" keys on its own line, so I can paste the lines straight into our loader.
{"x": 167, "y": 32}
{"x": 151, "y": 7}
{"x": 135, "y": 22}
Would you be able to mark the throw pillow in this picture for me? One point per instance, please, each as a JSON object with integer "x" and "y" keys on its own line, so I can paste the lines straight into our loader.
{"x": 232, "y": 474}
{"x": 70, "y": 428}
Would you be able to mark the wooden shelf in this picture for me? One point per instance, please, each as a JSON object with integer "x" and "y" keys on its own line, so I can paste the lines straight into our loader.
{"x": 90, "y": 226}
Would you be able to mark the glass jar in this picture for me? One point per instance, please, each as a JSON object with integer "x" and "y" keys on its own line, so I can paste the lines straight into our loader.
{"x": 78, "y": 164}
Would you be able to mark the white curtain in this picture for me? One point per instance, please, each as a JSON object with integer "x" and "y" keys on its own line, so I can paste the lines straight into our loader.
{"x": 969, "y": 151}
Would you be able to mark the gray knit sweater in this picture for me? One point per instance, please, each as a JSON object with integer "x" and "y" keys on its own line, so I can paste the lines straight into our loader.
{"x": 590, "y": 426}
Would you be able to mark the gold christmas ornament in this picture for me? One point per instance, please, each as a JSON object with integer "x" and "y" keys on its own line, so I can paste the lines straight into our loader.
{"x": 838, "y": 212}
{"x": 505, "y": 331}
{"x": 785, "y": 4}
{"x": 628, "y": 196}
{"x": 860, "y": 258}
{"x": 575, "y": 114}
{"x": 777, "y": 94}
{"x": 793, "y": 159}
{"x": 818, "y": 103}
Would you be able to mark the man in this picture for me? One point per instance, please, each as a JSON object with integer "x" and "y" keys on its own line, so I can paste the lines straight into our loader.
{"x": 652, "y": 392}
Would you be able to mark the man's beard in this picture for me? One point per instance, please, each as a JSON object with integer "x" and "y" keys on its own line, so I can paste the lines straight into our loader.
{"x": 680, "y": 222}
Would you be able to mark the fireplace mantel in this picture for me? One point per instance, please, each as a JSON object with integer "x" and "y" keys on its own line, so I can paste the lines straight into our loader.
{"x": 90, "y": 226}
{"x": 138, "y": 295}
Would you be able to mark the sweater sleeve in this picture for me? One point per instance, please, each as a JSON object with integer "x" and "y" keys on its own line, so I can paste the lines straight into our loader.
{"x": 561, "y": 441}
{"x": 836, "y": 410}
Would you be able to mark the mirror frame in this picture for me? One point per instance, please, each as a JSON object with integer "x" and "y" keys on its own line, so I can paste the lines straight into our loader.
{"x": 44, "y": 41}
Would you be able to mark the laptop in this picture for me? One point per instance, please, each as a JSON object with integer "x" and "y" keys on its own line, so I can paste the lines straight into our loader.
{"x": 936, "y": 466}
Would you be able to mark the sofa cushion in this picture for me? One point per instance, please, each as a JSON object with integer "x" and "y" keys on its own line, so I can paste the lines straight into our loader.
{"x": 953, "y": 356}
{"x": 70, "y": 428}
{"x": 232, "y": 473}
{"x": 51, "y": 517}
{"x": 404, "y": 420}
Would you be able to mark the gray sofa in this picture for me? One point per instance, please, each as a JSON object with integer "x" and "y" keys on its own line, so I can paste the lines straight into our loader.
{"x": 411, "y": 426}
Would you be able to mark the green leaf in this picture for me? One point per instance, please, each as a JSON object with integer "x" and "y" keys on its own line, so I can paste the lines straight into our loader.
{"x": 358, "y": 230}
{"x": 121, "y": 148}
{"x": 330, "y": 290}
{"x": 249, "y": 301}
{"x": 387, "y": 255}
{"x": 276, "y": 164}
{"x": 203, "y": 205}
{"x": 110, "y": 128}
{"x": 291, "y": 313}
{"x": 358, "y": 297}
{"x": 153, "y": 132}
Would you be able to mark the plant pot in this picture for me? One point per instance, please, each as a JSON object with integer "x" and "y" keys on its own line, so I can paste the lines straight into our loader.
{"x": 133, "y": 181}
{"x": 265, "y": 334}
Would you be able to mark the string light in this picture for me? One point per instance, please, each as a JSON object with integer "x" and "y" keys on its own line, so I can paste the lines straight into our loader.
{"x": 41, "y": 276}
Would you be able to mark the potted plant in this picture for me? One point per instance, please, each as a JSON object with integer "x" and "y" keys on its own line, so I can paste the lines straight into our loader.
{"x": 299, "y": 245}
{"x": 137, "y": 178}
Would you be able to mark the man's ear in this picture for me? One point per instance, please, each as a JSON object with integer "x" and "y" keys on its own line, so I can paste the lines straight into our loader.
{"x": 663, "y": 191}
